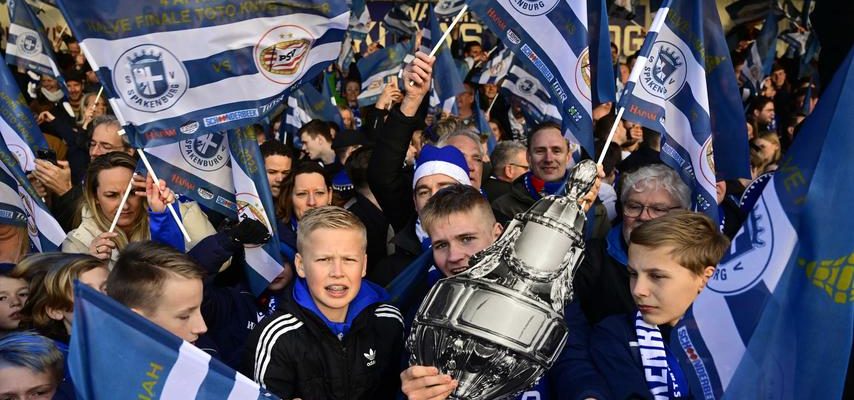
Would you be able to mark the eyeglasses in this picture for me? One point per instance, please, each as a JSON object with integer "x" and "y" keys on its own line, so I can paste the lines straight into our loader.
{"x": 634, "y": 210}
{"x": 519, "y": 165}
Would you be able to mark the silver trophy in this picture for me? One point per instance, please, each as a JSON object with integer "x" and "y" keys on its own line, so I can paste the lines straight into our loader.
{"x": 497, "y": 327}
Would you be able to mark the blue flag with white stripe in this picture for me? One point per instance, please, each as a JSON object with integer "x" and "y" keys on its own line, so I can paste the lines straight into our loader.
{"x": 27, "y": 45}
{"x": 550, "y": 37}
{"x": 221, "y": 171}
{"x": 294, "y": 117}
{"x": 535, "y": 98}
{"x": 777, "y": 318}
{"x": 376, "y": 70}
{"x": 116, "y": 353}
{"x": 496, "y": 68}
{"x": 194, "y": 67}
{"x": 761, "y": 54}
{"x": 447, "y": 83}
{"x": 399, "y": 20}
{"x": 17, "y": 125}
{"x": 686, "y": 93}
{"x": 20, "y": 205}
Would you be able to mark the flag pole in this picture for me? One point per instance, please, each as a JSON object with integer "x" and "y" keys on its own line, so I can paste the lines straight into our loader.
{"x": 448, "y": 31}
{"x": 492, "y": 103}
{"x": 122, "y": 204}
{"x": 169, "y": 206}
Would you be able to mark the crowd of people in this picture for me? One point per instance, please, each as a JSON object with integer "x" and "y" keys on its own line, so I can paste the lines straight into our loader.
{"x": 356, "y": 205}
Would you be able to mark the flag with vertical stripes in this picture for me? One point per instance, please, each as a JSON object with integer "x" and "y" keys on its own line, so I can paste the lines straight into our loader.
{"x": 447, "y": 83}
{"x": 550, "y": 37}
{"x": 117, "y": 353}
{"x": 776, "y": 319}
{"x": 27, "y": 45}
{"x": 20, "y": 205}
{"x": 688, "y": 93}
{"x": 183, "y": 68}
{"x": 17, "y": 125}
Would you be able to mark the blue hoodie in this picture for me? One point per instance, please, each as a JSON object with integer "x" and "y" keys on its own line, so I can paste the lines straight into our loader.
{"x": 369, "y": 293}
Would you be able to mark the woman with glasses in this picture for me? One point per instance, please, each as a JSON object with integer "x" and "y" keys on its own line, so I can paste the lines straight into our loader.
{"x": 602, "y": 281}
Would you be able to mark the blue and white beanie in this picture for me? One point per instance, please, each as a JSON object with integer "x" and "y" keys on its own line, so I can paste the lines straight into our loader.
{"x": 446, "y": 160}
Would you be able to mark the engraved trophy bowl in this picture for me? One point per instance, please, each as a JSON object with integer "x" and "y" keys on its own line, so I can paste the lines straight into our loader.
{"x": 497, "y": 327}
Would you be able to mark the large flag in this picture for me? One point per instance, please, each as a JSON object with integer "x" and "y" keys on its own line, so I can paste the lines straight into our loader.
{"x": 116, "y": 353}
{"x": 28, "y": 47}
{"x": 376, "y": 70}
{"x": 777, "y": 318}
{"x": 222, "y": 172}
{"x": 684, "y": 86}
{"x": 194, "y": 68}
{"x": 496, "y": 68}
{"x": 535, "y": 97}
{"x": 447, "y": 83}
{"x": 21, "y": 205}
{"x": 551, "y": 38}
{"x": 17, "y": 126}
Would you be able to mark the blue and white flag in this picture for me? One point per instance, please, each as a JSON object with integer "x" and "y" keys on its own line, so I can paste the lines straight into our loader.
{"x": 294, "y": 117}
{"x": 319, "y": 106}
{"x": 760, "y": 56}
{"x": 222, "y": 172}
{"x": 447, "y": 83}
{"x": 117, "y": 353}
{"x": 777, "y": 318}
{"x": 550, "y": 37}
{"x": 193, "y": 68}
{"x": 27, "y": 46}
{"x": 376, "y": 70}
{"x": 21, "y": 205}
{"x": 360, "y": 20}
{"x": 448, "y": 8}
{"x": 534, "y": 96}
{"x": 496, "y": 68}
{"x": 399, "y": 20}
{"x": 17, "y": 125}
{"x": 682, "y": 91}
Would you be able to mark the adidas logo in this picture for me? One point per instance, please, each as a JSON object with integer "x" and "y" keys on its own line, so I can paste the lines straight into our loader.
{"x": 371, "y": 356}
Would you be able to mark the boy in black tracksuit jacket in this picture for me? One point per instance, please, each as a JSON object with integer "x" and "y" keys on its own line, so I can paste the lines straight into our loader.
{"x": 332, "y": 336}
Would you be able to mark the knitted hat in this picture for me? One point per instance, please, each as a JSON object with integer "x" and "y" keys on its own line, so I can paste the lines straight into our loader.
{"x": 446, "y": 161}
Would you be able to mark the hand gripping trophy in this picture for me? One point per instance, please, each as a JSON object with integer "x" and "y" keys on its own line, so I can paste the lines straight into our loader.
{"x": 497, "y": 327}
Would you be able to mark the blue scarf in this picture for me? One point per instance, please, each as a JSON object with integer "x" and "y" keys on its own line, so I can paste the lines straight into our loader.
{"x": 664, "y": 377}
{"x": 423, "y": 238}
{"x": 536, "y": 186}
{"x": 369, "y": 293}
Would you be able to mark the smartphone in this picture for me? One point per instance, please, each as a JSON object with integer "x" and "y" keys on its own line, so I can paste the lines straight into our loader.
{"x": 46, "y": 154}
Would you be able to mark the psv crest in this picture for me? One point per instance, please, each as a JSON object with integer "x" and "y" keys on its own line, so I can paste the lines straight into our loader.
{"x": 149, "y": 78}
{"x": 582, "y": 73}
{"x": 665, "y": 71}
{"x": 280, "y": 54}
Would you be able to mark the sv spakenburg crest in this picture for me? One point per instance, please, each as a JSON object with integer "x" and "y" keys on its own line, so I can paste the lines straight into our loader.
{"x": 281, "y": 53}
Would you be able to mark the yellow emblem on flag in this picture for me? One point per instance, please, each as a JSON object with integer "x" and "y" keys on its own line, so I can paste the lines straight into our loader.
{"x": 835, "y": 277}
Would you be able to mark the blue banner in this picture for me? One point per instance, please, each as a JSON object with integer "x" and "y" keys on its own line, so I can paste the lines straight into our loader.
{"x": 116, "y": 353}
{"x": 17, "y": 125}
{"x": 186, "y": 68}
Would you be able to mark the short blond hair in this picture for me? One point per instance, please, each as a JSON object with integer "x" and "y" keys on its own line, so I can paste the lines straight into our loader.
{"x": 329, "y": 217}
{"x": 696, "y": 241}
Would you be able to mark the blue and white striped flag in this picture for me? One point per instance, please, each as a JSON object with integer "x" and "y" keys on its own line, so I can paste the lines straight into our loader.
{"x": 17, "y": 125}
{"x": 496, "y": 68}
{"x": 534, "y": 96}
{"x": 360, "y": 19}
{"x": 760, "y": 56}
{"x": 28, "y": 47}
{"x": 777, "y": 318}
{"x": 21, "y": 205}
{"x": 550, "y": 37}
{"x": 447, "y": 83}
{"x": 346, "y": 55}
{"x": 669, "y": 91}
{"x": 221, "y": 172}
{"x": 294, "y": 118}
{"x": 448, "y": 8}
{"x": 194, "y": 68}
{"x": 116, "y": 353}
{"x": 376, "y": 70}
{"x": 399, "y": 20}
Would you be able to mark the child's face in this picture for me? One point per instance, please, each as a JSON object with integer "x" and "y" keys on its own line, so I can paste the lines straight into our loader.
{"x": 333, "y": 262}
{"x": 13, "y": 295}
{"x": 662, "y": 289}
{"x": 21, "y": 383}
{"x": 178, "y": 309}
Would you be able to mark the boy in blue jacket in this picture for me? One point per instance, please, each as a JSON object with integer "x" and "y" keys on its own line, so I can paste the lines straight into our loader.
{"x": 332, "y": 337}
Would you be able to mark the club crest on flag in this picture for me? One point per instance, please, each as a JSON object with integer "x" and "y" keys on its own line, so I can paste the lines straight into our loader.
{"x": 250, "y": 206}
{"x": 281, "y": 52}
{"x": 149, "y": 78}
{"x": 206, "y": 152}
{"x": 526, "y": 86}
{"x": 19, "y": 153}
{"x": 664, "y": 74}
{"x": 29, "y": 44}
{"x": 583, "y": 74}
{"x": 749, "y": 256}
{"x": 533, "y": 8}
